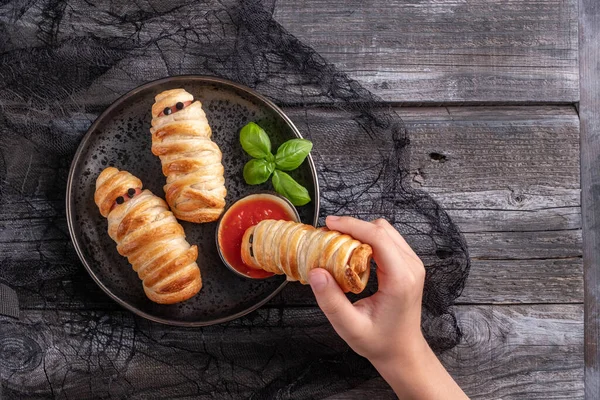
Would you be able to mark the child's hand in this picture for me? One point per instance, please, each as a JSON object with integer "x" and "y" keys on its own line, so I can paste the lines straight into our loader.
{"x": 386, "y": 325}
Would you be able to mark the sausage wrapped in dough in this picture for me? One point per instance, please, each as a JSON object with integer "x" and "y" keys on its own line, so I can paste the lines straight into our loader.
{"x": 149, "y": 236}
{"x": 293, "y": 249}
{"x": 191, "y": 161}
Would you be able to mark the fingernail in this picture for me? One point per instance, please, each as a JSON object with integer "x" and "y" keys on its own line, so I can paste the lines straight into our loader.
{"x": 317, "y": 279}
{"x": 333, "y": 218}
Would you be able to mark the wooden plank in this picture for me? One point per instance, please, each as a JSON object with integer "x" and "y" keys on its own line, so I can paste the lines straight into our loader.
{"x": 533, "y": 352}
{"x": 474, "y": 220}
{"x": 525, "y": 245}
{"x": 524, "y": 281}
{"x": 589, "y": 54}
{"x": 519, "y": 233}
{"x": 532, "y": 198}
{"x": 373, "y": 389}
{"x": 499, "y": 214}
{"x": 467, "y": 151}
{"x": 497, "y": 282}
{"x": 474, "y": 151}
{"x": 501, "y": 353}
{"x": 488, "y": 180}
{"x": 33, "y": 230}
{"x": 530, "y": 277}
{"x": 450, "y": 51}
{"x": 492, "y": 361}
{"x": 426, "y": 51}
{"x": 32, "y": 208}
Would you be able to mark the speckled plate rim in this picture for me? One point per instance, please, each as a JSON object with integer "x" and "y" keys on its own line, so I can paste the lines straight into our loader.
{"x": 77, "y": 159}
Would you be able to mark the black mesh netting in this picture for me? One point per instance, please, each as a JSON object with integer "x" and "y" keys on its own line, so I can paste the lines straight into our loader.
{"x": 61, "y": 64}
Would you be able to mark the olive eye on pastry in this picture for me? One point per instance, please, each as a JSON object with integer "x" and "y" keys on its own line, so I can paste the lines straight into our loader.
{"x": 180, "y": 105}
{"x": 131, "y": 192}
{"x": 120, "y": 200}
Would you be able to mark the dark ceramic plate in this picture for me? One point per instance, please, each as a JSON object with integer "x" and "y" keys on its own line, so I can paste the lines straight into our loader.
{"x": 120, "y": 137}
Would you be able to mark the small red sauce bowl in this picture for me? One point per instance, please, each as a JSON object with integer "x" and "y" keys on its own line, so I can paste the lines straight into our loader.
{"x": 241, "y": 215}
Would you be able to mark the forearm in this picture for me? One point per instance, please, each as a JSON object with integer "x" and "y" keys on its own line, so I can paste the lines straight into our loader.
{"x": 418, "y": 374}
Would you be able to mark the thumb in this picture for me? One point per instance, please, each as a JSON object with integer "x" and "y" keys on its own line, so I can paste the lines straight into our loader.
{"x": 332, "y": 300}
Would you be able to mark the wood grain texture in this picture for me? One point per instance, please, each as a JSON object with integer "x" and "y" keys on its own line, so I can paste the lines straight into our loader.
{"x": 589, "y": 53}
{"x": 525, "y": 281}
{"x": 497, "y": 352}
{"x": 524, "y": 238}
{"x": 497, "y": 282}
{"x": 509, "y": 177}
{"x": 373, "y": 389}
{"x": 485, "y": 220}
{"x": 525, "y": 245}
{"x": 483, "y": 152}
{"x": 545, "y": 340}
{"x": 508, "y": 352}
{"x": 448, "y": 51}
{"x": 518, "y": 230}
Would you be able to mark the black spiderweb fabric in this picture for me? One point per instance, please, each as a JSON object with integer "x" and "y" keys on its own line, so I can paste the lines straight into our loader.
{"x": 61, "y": 64}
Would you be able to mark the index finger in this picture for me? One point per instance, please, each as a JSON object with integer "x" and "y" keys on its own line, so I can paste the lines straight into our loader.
{"x": 396, "y": 237}
{"x": 385, "y": 250}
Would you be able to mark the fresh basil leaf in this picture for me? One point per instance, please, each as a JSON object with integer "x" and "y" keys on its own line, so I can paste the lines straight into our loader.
{"x": 255, "y": 141}
{"x": 292, "y": 153}
{"x": 257, "y": 171}
{"x": 288, "y": 187}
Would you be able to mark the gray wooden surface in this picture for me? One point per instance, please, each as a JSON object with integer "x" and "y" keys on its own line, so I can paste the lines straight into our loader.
{"x": 446, "y": 51}
{"x": 503, "y": 159}
{"x": 521, "y": 312}
{"x": 509, "y": 176}
{"x": 511, "y": 352}
{"x": 589, "y": 111}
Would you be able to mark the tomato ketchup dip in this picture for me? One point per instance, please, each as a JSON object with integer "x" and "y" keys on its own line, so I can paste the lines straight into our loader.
{"x": 243, "y": 214}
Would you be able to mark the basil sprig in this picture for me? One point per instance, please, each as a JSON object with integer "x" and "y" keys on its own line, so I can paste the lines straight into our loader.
{"x": 290, "y": 155}
{"x": 255, "y": 141}
{"x": 288, "y": 187}
{"x": 258, "y": 171}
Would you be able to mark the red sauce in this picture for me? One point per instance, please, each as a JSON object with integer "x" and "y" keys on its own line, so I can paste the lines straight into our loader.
{"x": 240, "y": 217}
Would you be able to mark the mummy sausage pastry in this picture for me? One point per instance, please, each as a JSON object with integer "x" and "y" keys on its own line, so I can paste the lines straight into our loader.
{"x": 149, "y": 236}
{"x": 195, "y": 187}
{"x": 293, "y": 249}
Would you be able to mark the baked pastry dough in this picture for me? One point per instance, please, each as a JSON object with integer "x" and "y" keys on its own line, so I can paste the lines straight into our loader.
{"x": 149, "y": 236}
{"x": 195, "y": 187}
{"x": 293, "y": 249}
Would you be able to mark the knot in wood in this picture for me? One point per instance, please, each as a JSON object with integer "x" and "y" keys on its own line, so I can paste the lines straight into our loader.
{"x": 438, "y": 157}
{"x": 517, "y": 198}
{"x": 19, "y": 354}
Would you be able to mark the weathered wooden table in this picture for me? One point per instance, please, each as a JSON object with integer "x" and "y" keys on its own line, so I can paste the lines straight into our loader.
{"x": 501, "y": 102}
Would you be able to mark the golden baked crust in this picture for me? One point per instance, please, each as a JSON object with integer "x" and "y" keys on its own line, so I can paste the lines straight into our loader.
{"x": 150, "y": 237}
{"x": 293, "y": 249}
{"x": 191, "y": 161}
